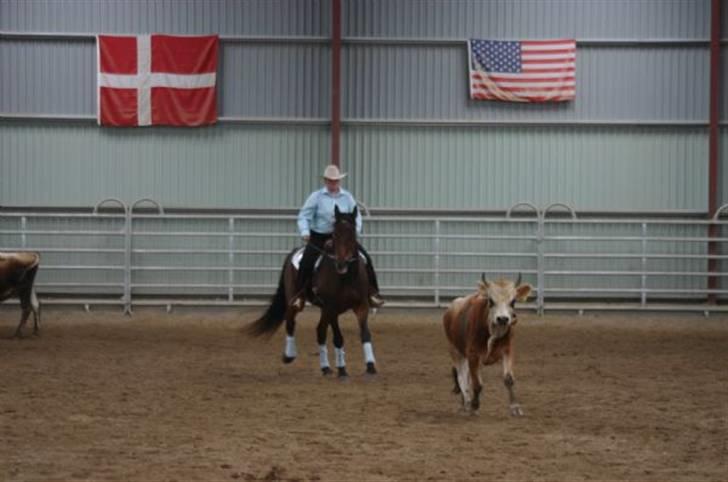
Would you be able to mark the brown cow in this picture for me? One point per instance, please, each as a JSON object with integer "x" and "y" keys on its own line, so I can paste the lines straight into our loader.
{"x": 479, "y": 328}
{"x": 17, "y": 274}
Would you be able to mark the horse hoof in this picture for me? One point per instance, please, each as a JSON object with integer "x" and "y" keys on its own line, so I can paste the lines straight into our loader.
{"x": 371, "y": 369}
{"x": 516, "y": 411}
{"x": 326, "y": 371}
{"x": 343, "y": 373}
{"x": 288, "y": 359}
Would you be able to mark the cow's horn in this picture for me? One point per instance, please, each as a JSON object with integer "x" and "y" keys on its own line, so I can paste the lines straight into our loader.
{"x": 482, "y": 278}
{"x": 518, "y": 281}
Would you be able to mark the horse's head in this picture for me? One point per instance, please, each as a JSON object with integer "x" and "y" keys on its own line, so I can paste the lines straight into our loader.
{"x": 344, "y": 237}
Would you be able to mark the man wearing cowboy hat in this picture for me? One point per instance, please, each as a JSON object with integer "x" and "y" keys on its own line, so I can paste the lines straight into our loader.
{"x": 316, "y": 225}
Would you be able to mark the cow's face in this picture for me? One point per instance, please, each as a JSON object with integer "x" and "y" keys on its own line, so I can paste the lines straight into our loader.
{"x": 502, "y": 296}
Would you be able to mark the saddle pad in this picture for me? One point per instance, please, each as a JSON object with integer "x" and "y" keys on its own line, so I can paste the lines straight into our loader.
{"x": 298, "y": 256}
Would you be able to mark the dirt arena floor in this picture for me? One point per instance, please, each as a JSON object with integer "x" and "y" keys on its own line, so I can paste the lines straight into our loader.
{"x": 186, "y": 397}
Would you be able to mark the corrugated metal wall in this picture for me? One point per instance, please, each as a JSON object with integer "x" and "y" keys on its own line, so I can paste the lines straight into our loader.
{"x": 634, "y": 139}
{"x": 639, "y": 61}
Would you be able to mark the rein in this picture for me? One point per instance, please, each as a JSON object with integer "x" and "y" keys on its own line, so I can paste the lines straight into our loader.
{"x": 332, "y": 257}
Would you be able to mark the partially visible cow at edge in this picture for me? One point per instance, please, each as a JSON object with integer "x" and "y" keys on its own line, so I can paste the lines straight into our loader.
{"x": 17, "y": 274}
{"x": 479, "y": 328}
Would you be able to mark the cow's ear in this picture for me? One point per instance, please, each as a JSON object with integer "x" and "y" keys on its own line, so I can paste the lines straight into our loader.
{"x": 336, "y": 210}
{"x": 523, "y": 291}
{"x": 483, "y": 288}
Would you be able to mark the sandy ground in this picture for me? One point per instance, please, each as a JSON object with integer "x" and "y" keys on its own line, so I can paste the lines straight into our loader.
{"x": 185, "y": 397}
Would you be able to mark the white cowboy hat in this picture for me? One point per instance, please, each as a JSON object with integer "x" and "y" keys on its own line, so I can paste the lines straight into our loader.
{"x": 332, "y": 173}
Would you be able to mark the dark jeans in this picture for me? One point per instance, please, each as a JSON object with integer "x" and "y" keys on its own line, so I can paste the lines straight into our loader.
{"x": 310, "y": 254}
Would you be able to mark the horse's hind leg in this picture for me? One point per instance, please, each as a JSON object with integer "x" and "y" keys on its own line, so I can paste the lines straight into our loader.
{"x": 362, "y": 315}
{"x": 321, "y": 330}
{"x": 290, "y": 352}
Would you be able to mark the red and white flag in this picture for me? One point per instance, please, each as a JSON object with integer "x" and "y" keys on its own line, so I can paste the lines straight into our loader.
{"x": 157, "y": 80}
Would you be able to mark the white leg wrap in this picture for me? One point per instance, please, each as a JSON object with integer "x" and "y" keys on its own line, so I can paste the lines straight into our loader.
{"x": 340, "y": 357}
{"x": 368, "y": 352}
{"x": 323, "y": 356}
{"x": 291, "y": 347}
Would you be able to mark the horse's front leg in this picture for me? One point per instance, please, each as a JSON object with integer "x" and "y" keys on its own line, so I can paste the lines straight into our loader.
{"x": 289, "y": 351}
{"x": 362, "y": 315}
{"x": 321, "y": 329}
{"x": 339, "y": 347}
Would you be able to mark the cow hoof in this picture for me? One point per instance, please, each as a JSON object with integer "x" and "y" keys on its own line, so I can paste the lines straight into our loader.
{"x": 288, "y": 359}
{"x": 516, "y": 411}
{"x": 326, "y": 371}
{"x": 371, "y": 369}
{"x": 343, "y": 373}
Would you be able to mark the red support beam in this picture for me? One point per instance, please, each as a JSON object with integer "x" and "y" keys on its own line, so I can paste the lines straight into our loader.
{"x": 336, "y": 82}
{"x": 713, "y": 132}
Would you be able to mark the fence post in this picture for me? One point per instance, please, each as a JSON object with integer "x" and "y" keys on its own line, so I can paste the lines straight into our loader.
{"x": 23, "y": 228}
{"x": 542, "y": 236}
{"x": 130, "y": 231}
{"x": 539, "y": 251}
{"x": 436, "y": 261}
{"x": 231, "y": 258}
{"x": 127, "y": 246}
{"x": 643, "y": 284}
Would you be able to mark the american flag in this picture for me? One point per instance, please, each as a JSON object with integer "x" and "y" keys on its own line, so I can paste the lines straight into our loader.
{"x": 522, "y": 71}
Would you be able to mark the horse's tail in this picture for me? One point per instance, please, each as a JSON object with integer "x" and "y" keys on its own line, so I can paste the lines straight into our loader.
{"x": 275, "y": 314}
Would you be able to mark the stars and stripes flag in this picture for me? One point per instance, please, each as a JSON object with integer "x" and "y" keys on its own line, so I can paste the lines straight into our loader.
{"x": 157, "y": 80}
{"x": 522, "y": 71}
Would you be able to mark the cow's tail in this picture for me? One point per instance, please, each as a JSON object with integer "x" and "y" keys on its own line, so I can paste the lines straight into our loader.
{"x": 274, "y": 315}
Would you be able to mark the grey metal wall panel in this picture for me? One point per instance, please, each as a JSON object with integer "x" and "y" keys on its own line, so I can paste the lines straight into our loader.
{"x": 495, "y": 167}
{"x": 259, "y": 80}
{"x": 431, "y": 82}
{"x": 226, "y": 17}
{"x": 275, "y": 80}
{"x": 48, "y": 77}
{"x": 223, "y": 166}
{"x": 509, "y": 19}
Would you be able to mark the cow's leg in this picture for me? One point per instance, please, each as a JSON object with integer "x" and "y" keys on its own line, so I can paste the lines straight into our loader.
{"x": 463, "y": 381}
{"x": 24, "y": 295}
{"x": 35, "y": 304}
{"x": 476, "y": 384}
{"x": 289, "y": 351}
{"x": 321, "y": 330}
{"x": 23, "y": 319}
{"x": 362, "y": 315}
{"x": 509, "y": 381}
{"x": 456, "y": 359}
{"x": 456, "y": 384}
{"x": 339, "y": 347}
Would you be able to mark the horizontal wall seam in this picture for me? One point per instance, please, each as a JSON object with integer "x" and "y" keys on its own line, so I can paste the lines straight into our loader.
{"x": 425, "y": 41}
{"x": 389, "y": 122}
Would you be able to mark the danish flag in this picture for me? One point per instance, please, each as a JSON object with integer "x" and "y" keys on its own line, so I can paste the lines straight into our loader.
{"x": 157, "y": 80}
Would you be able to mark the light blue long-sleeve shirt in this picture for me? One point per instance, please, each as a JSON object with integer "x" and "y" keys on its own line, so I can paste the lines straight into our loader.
{"x": 317, "y": 213}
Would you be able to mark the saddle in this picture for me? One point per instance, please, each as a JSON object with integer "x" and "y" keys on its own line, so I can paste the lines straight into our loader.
{"x": 298, "y": 256}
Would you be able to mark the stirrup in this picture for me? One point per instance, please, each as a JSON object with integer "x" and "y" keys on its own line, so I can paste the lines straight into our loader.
{"x": 375, "y": 300}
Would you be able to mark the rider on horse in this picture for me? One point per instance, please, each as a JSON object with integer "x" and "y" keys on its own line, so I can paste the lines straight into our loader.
{"x": 316, "y": 224}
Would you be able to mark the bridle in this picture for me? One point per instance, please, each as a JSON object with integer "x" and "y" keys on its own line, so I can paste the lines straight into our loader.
{"x": 355, "y": 255}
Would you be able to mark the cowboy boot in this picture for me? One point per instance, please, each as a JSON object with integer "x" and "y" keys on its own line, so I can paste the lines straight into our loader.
{"x": 375, "y": 299}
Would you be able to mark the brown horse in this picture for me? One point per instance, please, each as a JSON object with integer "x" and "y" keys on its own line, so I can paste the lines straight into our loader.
{"x": 340, "y": 284}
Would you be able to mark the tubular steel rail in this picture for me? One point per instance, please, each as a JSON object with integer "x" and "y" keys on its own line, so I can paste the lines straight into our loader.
{"x": 131, "y": 257}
